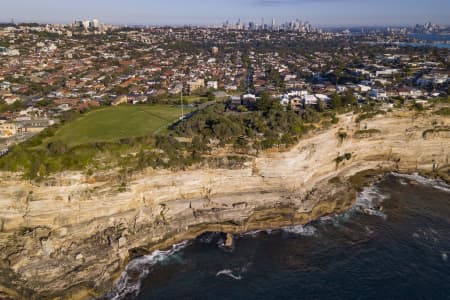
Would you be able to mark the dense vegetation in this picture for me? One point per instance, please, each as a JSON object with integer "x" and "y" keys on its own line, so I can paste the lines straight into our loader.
{"x": 128, "y": 138}
{"x": 270, "y": 125}
{"x": 85, "y": 143}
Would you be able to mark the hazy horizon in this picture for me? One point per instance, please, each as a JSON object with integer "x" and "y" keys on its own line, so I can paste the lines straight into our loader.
{"x": 324, "y": 13}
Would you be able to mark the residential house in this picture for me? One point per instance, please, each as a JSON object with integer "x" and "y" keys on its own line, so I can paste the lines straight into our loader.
{"x": 120, "y": 100}
{"x": 378, "y": 94}
{"x": 194, "y": 85}
{"x": 7, "y": 129}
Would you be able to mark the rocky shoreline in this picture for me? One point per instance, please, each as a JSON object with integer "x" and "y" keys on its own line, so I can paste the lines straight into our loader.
{"x": 71, "y": 239}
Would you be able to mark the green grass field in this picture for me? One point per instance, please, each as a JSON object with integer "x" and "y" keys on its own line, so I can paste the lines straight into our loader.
{"x": 190, "y": 99}
{"x": 114, "y": 123}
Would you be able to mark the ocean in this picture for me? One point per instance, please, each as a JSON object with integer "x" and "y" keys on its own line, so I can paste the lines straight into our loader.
{"x": 430, "y": 40}
{"x": 394, "y": 243}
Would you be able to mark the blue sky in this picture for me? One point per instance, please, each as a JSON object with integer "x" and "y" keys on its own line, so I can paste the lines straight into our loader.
{"x": 318, "y": 12}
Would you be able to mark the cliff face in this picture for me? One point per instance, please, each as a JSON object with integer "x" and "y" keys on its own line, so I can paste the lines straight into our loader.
{"x": 73, "y": 236}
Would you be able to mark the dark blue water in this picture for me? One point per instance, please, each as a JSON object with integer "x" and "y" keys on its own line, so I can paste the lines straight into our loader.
{"x": 430, "y": 40}
{"x": 394, "y": 244}
{"x": 430, "y": 37}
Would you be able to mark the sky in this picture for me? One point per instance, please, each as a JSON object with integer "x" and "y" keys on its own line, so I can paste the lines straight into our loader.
{"x": 209, "y": 12}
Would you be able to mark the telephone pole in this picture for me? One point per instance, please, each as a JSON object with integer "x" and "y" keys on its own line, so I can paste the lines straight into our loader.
{"x": 182, "y": 108}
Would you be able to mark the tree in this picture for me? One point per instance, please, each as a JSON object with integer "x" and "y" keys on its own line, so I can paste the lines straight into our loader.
{"x": 320, "y": 106}
{"x": 267, "y": 103}
{"x": 211, "y": 96}
{"x": 336, "y": 101}
{"x": 349, "y": 98}
{"x": 57, "y": 147}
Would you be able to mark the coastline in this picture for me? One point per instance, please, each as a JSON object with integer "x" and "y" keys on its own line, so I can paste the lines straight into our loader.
{"x": 176, "y": 243}
{"x": 161, "y": 209}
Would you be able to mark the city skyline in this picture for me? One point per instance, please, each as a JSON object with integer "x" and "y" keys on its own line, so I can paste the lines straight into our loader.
{"x": 196, "y": 12}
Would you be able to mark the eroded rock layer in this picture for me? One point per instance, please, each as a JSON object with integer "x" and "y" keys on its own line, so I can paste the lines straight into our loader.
{"x": 72, "y": 236}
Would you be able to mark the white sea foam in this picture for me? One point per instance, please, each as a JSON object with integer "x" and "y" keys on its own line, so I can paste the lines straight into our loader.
{"x": 306, "y": 230}
{"x": 427, "y": 234}
{"x": 253, "y": 233}
{"x": 444, "y": 257}
{"x": 129, "y": 283}
{"x": 369, "y": 202}
{"x": 229, "y": 273}
{"x": 402, "y": 182}
{"x": 327, "y": 219}
{"x": 435, "y": 183}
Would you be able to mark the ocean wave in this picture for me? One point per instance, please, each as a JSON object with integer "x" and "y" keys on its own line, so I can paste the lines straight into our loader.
{"x": 369, "y": 202}
{"x": 426, "y": 234}
{"x": 229, "y": 273}
{"x": 129, "y": 283}
{"x": 435, "y": 183}
{"x": 303, "y": 230}
{"x": 253, "y": 233}
{"x": 327, "y": 219}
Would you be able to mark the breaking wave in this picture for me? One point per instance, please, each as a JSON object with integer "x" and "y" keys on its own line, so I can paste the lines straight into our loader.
{"x": 229, "y": 273}
{"x": 129, "y": 283}
{"x": 435, "y": 183}
{"x": 369, "y": 202}
{"x": 255, "y": 233}
{"x": 303, "y": 230}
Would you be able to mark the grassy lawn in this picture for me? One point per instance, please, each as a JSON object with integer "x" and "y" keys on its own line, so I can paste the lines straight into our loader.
{"x": 194, "y": 99}
{"x": 190, "y": 99}
{"x": 113, "y": 123}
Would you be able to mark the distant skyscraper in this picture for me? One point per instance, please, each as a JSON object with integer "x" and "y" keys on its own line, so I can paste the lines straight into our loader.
{"x": 86, "y": 24}
{"x": 273, "y": 23}
{"x": 94, "y": 23}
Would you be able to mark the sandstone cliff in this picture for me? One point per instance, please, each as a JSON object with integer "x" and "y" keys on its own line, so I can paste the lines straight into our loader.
{"x": 72, "y": 236}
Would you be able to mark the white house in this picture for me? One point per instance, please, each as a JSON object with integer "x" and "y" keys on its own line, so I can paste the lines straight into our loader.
{"x": 249, "y": 97}
{"x": 212, "y": 85}
{"x": 341, "y": 88}
{"x": 323, "y": 98}
{"x": 386, "y": 72}
{"x": 309, "y": 100}
{"x": 378, "y": 94}
{"x": 11, "y": 99}
{"x": 364, "y": 88}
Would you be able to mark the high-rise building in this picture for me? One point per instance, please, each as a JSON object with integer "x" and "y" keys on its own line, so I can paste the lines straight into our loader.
{"x": 85, "y": 24}
{"x": 94, "y": 24}
{"x": 239, "y": 25}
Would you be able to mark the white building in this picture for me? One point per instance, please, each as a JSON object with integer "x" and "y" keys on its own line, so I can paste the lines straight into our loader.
{"x": 85, "y": 24}
{"x": 378, "y": 94}
{"x": 323, "y": 98}
{"x": 7, "y": 129}
{"x": 212, "y": 85}
{"x": 309, "y": 100}
{"x": 386, "y": 72}
{"x": 364, "y": 88}
{"x": 94, "y": 24}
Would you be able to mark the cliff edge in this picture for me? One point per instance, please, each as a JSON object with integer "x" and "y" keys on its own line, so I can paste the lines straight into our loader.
{"x": 70, "y": 237}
